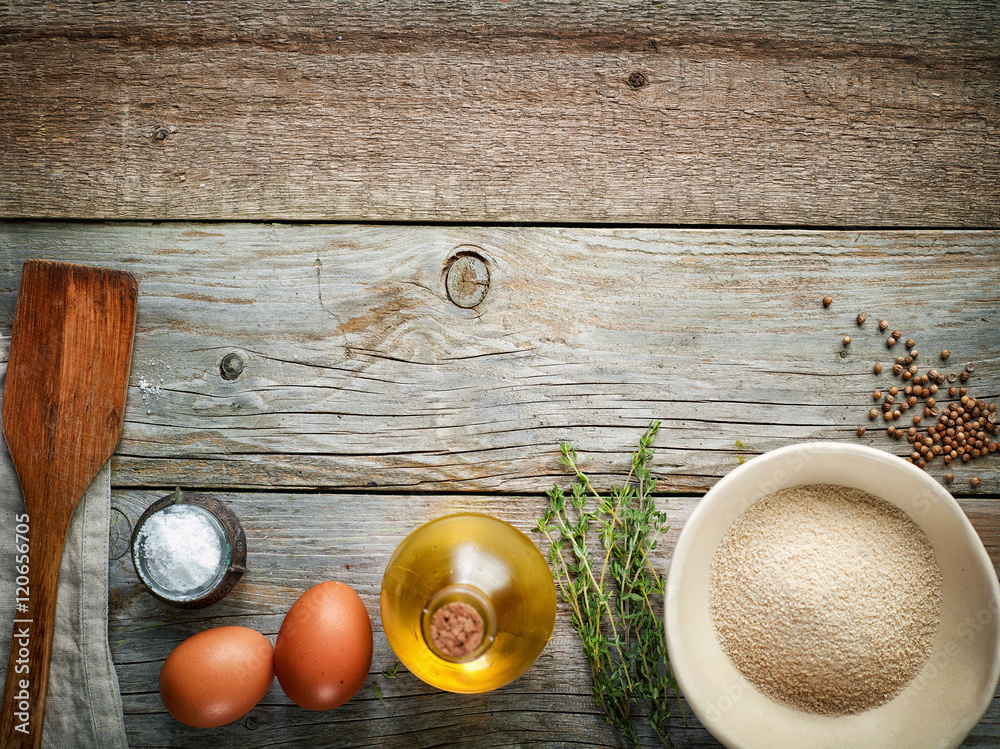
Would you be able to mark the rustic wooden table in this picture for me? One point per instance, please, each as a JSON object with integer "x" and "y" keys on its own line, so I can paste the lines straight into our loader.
{"x": 444, "y": 237}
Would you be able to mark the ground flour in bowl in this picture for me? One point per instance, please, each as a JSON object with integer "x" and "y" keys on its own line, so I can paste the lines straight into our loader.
{"x": 826, "y": 598}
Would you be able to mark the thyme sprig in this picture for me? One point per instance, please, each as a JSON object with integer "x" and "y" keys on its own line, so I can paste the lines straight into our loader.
{"x": 615, "y": 599}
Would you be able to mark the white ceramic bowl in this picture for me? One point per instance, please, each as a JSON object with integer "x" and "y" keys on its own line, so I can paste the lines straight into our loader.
{"x": 938, "y": 708}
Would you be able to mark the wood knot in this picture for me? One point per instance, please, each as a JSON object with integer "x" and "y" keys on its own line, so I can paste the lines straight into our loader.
{"x": 636, "y": 79}
{"x": 467, "y": 280}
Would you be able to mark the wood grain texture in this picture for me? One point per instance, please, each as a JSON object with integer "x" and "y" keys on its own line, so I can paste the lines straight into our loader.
{"x": 845, "y": 114}
{"x": 297, "y": 540}
{"x": 360, "y": 374}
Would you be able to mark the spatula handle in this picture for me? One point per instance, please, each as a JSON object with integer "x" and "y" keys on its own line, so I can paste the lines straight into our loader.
{"x": 37, "y": 565}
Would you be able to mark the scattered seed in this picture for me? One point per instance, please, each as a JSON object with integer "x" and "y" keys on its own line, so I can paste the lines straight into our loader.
{"x": 949, "y": 477}
{"x": 890, "y": 342}
{"x": 975, "y": 481}
{"x": 916, "y": 418}
{"x": 847, "y": 340}
{"x": 861, "y": 431}
{"x": 827, "y": 301}
{"x": 897, "y": 368}
{"x": 913, "y": 353}
{"x": 883, "y": 324}
{"x": 945, "y": 353}
{"x": 910, "y": 343}
{"x": 873, "y": 413}
{"x": 877, "y": 395}
{"x": 877, "y": 367}
{"x": 893, "y": 390}
{"x": 970, "y": 367}
{"x": 861, "y": 318}
{"x": 964, "y": 377}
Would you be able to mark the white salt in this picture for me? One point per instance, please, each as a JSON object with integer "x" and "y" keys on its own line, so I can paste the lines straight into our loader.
{"x": 182, "y": 549}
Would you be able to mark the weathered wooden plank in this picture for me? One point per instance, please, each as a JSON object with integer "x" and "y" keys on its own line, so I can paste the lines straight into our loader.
{"x": 296, "y": 540}
{"x": 360, "y": 373}
{"x": 631, "y": 112}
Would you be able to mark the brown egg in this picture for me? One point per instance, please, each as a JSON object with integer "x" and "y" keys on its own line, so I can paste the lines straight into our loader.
{"x": 216, "y": 676}
{"x": 324, "y": 647}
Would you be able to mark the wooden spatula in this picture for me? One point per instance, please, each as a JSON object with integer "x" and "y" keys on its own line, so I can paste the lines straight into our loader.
{"x": 63, "y": 408}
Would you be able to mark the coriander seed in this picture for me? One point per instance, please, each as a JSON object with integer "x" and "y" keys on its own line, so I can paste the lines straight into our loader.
{"x": 873, "y": 413}
{"x": 910, "y": 343}
{"x": 861, "y": 318}
{"x": 893, "y": 390}
{"x": 970, "y": 367}
{"x": 883, "y": 324}
{"x": 861, "y": 431}
{"x": 975, "y": 481}
{"x": 897, "y": 368}
{"x": 877, "y": 395}
{"x": 847, "y": 340}
{"x": 827, "y": 301}
{"x": 949, "y": 477}
{"x": 877, "y": 367}
{"x": 945, "y": 353}
{"x": 890, "y": 342}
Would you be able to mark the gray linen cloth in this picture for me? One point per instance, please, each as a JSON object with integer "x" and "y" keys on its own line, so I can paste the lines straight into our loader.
{"x": 84, "y": 706}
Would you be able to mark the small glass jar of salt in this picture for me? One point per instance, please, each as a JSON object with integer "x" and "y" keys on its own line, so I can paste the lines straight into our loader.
{"x": 189, "y": 550}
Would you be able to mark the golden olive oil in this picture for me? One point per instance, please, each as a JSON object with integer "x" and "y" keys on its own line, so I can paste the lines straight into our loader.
{"x": 488, "y": 566}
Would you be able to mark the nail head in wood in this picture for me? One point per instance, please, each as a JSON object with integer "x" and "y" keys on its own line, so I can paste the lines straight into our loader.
{"x": 636, "y": 79}
{"x": 231, "y": 366}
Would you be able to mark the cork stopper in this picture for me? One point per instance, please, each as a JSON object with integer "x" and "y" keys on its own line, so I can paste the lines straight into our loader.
{"x": 457, "y": 629}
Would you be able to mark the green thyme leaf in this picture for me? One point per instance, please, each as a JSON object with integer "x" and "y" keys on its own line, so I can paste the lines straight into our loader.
{"x": 615, "y": 596}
